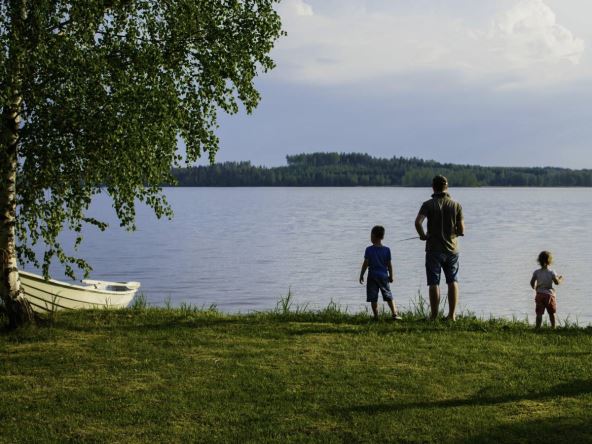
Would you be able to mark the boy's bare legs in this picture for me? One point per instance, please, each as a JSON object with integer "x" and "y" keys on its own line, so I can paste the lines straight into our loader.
{"x": 452, "y": 300}
{"x": 391, "y": 305}
{"x": 434, "y": 301}
{"x": 539, "y": 321}
{"x": 374, "y": 306}
{"x": 393, "y": 308}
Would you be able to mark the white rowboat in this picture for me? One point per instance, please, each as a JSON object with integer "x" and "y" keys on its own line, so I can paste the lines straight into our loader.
{"x": 50, "y": 295}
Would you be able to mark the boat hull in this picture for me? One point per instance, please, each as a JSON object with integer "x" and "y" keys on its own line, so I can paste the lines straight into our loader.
{"x": 46, "y": 296}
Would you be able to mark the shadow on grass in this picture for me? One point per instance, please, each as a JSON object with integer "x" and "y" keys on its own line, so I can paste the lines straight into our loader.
{"x": 146, "y": 325}
{"x": 293, "y": 326}
{"x": 547, "y": 430}
{"x": 571, "y": 389}
{"x": 322, "y": 322}
{"x": 332, "y": 330}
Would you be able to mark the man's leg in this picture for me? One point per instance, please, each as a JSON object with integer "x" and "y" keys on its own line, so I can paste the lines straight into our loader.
{"x": 451, "y": 266}
{"x": 552, "y": 319}
{"x": 433, "y": 270}
{"x": 434, "y": 301}
{"x": 539, "y": 320}
{"x": 452, "y": 300}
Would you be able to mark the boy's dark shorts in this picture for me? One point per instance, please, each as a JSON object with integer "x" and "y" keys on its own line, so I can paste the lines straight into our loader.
{"x": 436, "y": 262}
{"x": 373, "y": 285}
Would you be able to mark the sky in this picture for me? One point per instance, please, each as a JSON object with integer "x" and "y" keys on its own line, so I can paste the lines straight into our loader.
{"x": 490, "y": 82}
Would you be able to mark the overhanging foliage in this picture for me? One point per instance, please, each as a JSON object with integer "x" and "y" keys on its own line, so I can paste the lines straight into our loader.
{"x": 108, "y": 88}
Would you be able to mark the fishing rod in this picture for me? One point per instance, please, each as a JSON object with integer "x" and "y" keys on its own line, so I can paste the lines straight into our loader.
{"x": 405, "y": 240}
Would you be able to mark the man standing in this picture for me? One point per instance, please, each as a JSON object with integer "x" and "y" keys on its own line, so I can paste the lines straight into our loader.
{"x": 445, "y": 224}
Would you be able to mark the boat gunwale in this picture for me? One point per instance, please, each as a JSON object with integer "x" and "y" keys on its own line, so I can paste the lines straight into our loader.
{"x": 89, "y": 289}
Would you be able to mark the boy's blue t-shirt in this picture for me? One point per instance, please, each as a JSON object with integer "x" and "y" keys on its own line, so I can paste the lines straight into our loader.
{"x": 378, "y": 259}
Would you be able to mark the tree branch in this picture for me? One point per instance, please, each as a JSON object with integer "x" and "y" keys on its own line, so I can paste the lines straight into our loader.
{"x": 141, "y": 39}
{"x": 60, "y": 27}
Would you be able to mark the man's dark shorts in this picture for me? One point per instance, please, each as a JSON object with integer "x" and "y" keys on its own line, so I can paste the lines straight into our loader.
{"x": 373, "y": 285}
{"x": 436, "y": 262}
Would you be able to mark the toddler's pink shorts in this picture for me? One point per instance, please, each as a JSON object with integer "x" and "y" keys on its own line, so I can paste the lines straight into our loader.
{"x": 545, "y": 301}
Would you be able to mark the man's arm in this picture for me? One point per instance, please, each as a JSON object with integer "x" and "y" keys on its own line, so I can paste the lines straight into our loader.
{"x": 558, "y": 279}
{"x": 364, "y": 268}
{"x": 419, "y": 226}
{"x": 390, "y": 271}
{"x": 460, "y": 228}
{"x": 460, "y": 225}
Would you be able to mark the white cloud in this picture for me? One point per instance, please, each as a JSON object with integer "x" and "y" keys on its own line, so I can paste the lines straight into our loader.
{"x": 529, "y": 33}
{"x": 296, "y": 8}
{"x": 349, "y": 42}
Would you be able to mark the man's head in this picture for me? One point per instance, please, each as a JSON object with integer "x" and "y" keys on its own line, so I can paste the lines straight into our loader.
{"x": 439, "y": 184}
{"x": 377, "y": 234}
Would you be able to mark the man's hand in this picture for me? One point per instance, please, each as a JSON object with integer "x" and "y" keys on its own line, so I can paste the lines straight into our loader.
{"x": 362, "y": 279}
{"x": 419, "y": 226}
{"x": 391, "y": 279}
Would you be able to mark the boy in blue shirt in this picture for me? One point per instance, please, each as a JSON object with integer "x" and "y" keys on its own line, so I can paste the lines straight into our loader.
{"x": 377, "y": 259}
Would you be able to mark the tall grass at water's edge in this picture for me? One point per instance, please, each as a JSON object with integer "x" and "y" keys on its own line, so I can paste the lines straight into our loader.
{"x": 419, "y": 311}
{"x": 287, "y": 310}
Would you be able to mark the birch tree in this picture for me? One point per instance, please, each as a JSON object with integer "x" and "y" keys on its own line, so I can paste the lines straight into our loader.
{"x": 95, "y": 95}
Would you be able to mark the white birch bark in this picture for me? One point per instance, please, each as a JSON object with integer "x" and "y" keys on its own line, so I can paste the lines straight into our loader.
{"x": 19, "y": 310}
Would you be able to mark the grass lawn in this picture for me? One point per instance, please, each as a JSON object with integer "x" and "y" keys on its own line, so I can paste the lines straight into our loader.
{"x": 164, "y": 375}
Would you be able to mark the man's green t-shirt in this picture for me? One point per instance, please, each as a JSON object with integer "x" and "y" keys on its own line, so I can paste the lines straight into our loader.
{"x": 444, "y": 218}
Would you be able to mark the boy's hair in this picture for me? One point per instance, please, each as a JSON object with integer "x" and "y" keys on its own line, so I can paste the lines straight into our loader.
{"x": 378, "y": 232}
{"x": 545, "y": 258}
{"x": 439, "y": 183}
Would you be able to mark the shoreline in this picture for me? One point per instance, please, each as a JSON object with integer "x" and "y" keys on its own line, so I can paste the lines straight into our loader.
{"x": 332, "y": 313}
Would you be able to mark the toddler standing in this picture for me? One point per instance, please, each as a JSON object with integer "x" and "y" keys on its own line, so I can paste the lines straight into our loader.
{"x": 542, "y": 281}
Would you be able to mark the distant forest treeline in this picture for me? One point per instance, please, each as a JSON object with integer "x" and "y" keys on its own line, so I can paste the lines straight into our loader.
{"x": 335, "y": 169}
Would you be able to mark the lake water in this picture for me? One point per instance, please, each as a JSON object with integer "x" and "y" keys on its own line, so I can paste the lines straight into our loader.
{"x": 241, "y": 249}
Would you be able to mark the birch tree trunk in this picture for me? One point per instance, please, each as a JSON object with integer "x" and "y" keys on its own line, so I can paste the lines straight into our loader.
{"x": 18, "y": 309}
